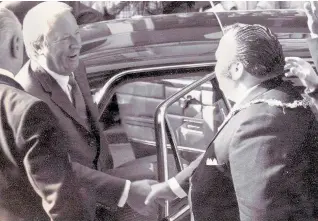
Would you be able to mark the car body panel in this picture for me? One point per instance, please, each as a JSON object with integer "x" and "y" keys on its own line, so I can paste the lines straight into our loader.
{"x": 180, "y": 38}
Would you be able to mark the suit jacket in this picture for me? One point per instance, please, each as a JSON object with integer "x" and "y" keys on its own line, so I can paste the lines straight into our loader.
{"x": 262, "y": 163}
{"x": 87, "y": 147}
{"x": 36, "y": 178}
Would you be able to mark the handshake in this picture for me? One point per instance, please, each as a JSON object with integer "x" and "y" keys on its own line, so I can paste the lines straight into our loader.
{"x": 145, "y": 196}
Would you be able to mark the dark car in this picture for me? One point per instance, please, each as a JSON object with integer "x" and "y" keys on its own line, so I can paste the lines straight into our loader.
{"x": 152, "y": 78}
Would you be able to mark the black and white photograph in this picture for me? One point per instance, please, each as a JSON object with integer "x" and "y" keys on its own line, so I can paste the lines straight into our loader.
{"x": 158, "y": 111}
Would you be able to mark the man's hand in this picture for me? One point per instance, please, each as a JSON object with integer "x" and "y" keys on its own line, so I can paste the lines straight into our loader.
{"x": 303, "y": 70}
{"x": 159, "y": 193}
{"x": 138, "y": 192}
{"x": 311, "y": 9}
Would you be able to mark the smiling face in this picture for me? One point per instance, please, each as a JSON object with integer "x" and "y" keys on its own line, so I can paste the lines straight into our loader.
{"x": 61, "y": 48}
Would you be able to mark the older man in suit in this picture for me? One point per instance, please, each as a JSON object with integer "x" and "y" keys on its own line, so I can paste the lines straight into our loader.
{"x": 36, "y": 178}
{"x": 54, "y": 75}
{"x": 262, "y": 163}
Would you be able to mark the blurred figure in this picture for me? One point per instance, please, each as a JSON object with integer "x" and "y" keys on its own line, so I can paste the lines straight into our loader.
{"x": 253, "y": 5}
{"x": 81, "y": 12}
{"x": 36, "y": 178}
{"x": 262, "y": 163}
{"x": 301, "y": 68}
{"x": 55, "y": 75}
{"x": 171, "y": 7}
{"x": 127, "y": 9}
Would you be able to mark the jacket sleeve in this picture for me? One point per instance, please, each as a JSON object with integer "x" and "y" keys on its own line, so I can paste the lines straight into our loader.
{"x": 47, "y": 164}
{"x": 268, "y": 165}
{"x": 184, "y": 176}
{"x": 108, "y": 189}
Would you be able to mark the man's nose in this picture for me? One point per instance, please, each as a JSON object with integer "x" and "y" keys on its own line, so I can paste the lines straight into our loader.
{"x": 76, "y": 42}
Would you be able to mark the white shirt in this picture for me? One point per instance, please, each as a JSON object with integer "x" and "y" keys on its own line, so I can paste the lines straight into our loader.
{"x": 172, "y": 182}
{"x": 242, "y": 96}
{"x": 63, "y": 80}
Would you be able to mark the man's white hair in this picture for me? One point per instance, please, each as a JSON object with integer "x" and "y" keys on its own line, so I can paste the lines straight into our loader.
{"x": 9, "y": 24}
{"x": 37, "y": 22}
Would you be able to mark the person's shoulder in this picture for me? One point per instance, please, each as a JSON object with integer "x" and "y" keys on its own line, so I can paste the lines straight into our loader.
{"x": 12, "y": 95}
{"x": 17, "y": 104}
{"x": 28, "y": 80}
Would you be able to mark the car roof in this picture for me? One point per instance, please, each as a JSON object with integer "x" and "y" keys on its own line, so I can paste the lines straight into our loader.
{"x": 181, "y": 38}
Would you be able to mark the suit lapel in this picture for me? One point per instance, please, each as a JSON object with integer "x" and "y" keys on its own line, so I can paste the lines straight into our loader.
{"x": 58, "y": 96}
{"x": 81, "y": 79}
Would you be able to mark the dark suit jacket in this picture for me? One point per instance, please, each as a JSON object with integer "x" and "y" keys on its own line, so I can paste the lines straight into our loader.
{"x": 34, "y": 164}
{"x": 265, "y": 166}
{"x": 86, "y": 142}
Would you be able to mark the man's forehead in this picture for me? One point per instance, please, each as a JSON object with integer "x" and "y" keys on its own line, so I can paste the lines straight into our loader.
{"x": 63, "y": 24}
{"x": 227, "y": 44}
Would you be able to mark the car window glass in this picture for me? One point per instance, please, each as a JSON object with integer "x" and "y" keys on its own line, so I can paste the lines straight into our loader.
{"x": 193, "y": 119}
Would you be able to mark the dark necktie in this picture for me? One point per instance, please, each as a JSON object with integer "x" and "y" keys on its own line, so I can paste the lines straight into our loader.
{"x": 77, "y": 97}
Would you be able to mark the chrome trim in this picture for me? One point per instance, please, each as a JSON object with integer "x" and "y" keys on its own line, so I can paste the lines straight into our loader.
{"x": 160, "y": 132}
{"x": 181, "y": 148}
{"x": 174, "y": 149}
{"x": 175, "y": 216}
{"x": 99, "y": 95}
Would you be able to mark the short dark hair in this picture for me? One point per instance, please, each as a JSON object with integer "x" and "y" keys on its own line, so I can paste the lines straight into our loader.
{"x": 258, "y": 49}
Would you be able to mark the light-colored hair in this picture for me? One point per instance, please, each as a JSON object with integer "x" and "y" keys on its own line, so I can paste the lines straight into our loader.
{"x": 9, "y": 24}
{"x": 37, "y": 22}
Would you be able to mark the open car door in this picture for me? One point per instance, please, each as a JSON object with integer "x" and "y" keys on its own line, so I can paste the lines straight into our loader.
{"x": 168, "y": 139}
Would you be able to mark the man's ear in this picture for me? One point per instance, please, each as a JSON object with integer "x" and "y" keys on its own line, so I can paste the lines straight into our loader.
{"x": 16, "y": 46}
{"x": 237, "y": 71}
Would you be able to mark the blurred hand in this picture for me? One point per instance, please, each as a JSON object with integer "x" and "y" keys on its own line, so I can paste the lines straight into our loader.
{"x": 138, "y": 192}
{"x": 159, "y": 193}
{"x": 311, "y": 9}
{"x": 303, "y": 70}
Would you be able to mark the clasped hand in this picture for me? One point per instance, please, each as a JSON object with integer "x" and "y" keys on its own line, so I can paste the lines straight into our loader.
{"x": 146, "y": 195}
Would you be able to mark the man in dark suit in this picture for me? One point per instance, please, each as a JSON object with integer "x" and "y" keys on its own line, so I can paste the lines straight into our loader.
{"x": 36, "y": 178}
{"x": 261, "y": 165}
{"x": 54, "y": 75}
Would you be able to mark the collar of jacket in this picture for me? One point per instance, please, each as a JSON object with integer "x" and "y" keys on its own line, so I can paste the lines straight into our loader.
{"x": 9, "y": 81}
{"x": 258, "y": 91}
{"x": 45, "y": 79}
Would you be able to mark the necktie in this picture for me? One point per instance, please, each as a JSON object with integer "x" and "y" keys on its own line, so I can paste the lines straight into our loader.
{"x": 77, "y": 97}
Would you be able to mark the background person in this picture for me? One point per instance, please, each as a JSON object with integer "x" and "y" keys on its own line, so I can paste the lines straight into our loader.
{"x": 36, "y": 178}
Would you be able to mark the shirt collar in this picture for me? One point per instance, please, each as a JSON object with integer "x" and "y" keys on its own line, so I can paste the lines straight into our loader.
{"x": 244, "y": 95}
{"x": 6, "y": 73}
{"x": 61, "y": 79}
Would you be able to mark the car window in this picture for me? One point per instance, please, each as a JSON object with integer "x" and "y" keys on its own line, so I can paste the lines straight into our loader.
{"x": 191, "y": 118}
